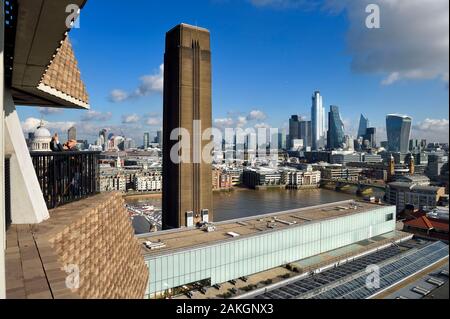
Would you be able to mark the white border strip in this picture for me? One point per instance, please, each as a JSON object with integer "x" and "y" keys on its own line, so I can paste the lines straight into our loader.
{"x": 47, "y": 89}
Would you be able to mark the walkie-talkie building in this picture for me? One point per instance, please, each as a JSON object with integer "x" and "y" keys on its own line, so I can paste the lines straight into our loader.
{"x": 398, "y": 129}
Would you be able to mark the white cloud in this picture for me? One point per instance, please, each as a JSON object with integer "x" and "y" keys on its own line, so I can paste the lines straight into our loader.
{"x": 153, "y": 121}
{"x": 118, "y": 95}
{"x": 350, "y": 128}
{"x": 31, "y": 124}
{"x": 434, "y": 130}
{"x": 241, "y": 121}
{"x": 412, "y": 43}
{"x": 130, "y": 118}
{"x": 92, "y": 115}
{"x": 223, "y": 123}
{"x": 262, "y": 125}
{"x": 256, "y": 115}
{"x": 50, "y": 110}
{"x": 149, "y": 84}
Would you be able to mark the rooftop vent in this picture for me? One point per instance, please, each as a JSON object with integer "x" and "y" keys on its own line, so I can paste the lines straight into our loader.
{"x": 435, "y": 282}
{"x": 420, "y": 291}
{"x": 233, "y": 234}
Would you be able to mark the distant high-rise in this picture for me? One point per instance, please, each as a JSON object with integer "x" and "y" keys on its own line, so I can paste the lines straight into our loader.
{"x": 72, "y": 133}
{"x": 423, "y": 144}
{"x": 335, "y": 138}
{"x": 159, "y": 139}
{"x": 293, "y": 129}
{"x": 103, "y": 140}
{"x": 398, "y": 129}
{"x": 146, "y": 140}
{"x": 371, "y": 136}
{"x": 305, "y": 132}
{"x": 278, "y": 140}
{"x": 318, "y": 122}
{"x": 129, "y": 144}
{"x": 251, "y": 142}
{"x": 281, "y": 139}
{"x": 187, "y": 191}
{"x": 363, "y": 125}
{"x": 299, "y": 129}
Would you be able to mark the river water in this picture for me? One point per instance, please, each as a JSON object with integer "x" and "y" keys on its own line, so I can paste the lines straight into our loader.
{"x": 245, "y": 202}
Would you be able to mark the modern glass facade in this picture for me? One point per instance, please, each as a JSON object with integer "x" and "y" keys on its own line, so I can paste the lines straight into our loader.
{"x": 371, "y": 136}
{"x": 293, "y": 129}
{"x": 363, "y": 125}
{"x": 300, "y": 129}
{"x": 281, "y": 137}
{"x": 244, "y": 256}
{"x": 305, "y": 133}
{"x": 318, "y": 124}
{"x": 398, "y": 129}
{"x": 335, "y": 129}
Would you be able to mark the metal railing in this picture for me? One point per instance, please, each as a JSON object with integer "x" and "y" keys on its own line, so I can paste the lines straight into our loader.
{"x": 66, "y": 177}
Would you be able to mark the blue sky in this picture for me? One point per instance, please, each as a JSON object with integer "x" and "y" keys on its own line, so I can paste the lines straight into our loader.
{"x": 268, "y": 57}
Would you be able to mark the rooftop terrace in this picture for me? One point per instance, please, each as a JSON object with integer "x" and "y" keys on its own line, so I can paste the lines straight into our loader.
{"x": 187, "y": 237}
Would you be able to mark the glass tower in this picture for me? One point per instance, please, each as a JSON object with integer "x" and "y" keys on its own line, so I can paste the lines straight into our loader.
{"x": 398, "y": 129}
{"x": 317, "y": 122}
{"x": 305, "y": 132}
{"x": 293, "y": 129}
{"x": 336, "y": 128}
{"x": 146, "y": 140}
{"x": 363, "y": 125}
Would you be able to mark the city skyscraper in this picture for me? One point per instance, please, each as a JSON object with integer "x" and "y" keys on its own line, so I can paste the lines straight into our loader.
{"x": 318, "y": 122}
{"x": 371, "y": 136}
{"x": 129, "y": 144}
{"x": 103, "y": 140}
{"x": 187, "y": 192}
{"x": 72, "y": 133}
{"x": 282, "y": 139}
{"x": 251, "y": 142}
{"x": 335, "y": 138}
{"x": 398, "y": 128}
{"x": 159, "y": 139}
{"x": 305, "y": 132}
{"x": 363, "y": 125}
{"x": 146, "y": 140}
{"x": 293, "y": 129}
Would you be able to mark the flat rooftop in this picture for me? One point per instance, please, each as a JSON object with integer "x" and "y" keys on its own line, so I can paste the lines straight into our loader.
{"x": 178, "y": 239}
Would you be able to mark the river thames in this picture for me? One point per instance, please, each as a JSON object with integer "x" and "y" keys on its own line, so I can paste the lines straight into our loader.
{"x": 241, "y": 203}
